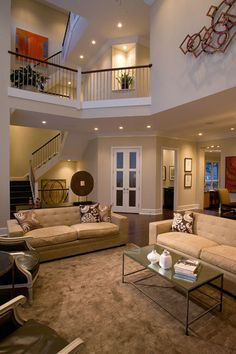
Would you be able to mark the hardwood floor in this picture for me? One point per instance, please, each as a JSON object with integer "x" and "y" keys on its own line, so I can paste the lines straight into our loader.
{"x": 139, "y": 224}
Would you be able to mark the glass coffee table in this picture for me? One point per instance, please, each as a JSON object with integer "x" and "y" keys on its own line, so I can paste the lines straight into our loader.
{"x": 206, "y": 275}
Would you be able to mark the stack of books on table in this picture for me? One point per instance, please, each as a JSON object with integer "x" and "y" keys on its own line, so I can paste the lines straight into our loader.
{"x": 186, "y": 269}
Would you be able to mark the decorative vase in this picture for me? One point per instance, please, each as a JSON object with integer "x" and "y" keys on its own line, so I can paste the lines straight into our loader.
{"x": 153, "y": 257}
{"x": 165, "y": 260}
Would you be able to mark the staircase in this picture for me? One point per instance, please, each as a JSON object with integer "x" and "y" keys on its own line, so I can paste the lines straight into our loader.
{"x": 20, "y": 192}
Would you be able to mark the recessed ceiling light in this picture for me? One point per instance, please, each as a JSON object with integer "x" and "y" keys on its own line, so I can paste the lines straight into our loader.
{"x": 96, "y": 128}
{"x": 93, "y": 42}
{"x": 121, "y": 127}
{"x": 149, "y": 126}
{"x": 218, "y": 146}
{"x": 199, "y": 134}
{"x": 232, "y": 129}
{"x": 212, "y": 146}
{"x": 69, "y": 82}
{"x": 124, "y": 47}
{"x": 81, "y": 57}
{"x": 208, "y": 147}
{"x": 68, "y": 160}
{"x": 44, "y": 122}
{"x": 119, "y": 25}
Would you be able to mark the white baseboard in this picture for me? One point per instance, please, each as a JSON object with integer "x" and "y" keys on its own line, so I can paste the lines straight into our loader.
{"x": 150, "y": 212}
{"x": 3, "y": 231}
{"x": 188, "y": 207}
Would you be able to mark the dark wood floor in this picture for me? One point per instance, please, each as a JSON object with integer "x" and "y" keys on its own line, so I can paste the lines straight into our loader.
{"x": 139, "y": 224}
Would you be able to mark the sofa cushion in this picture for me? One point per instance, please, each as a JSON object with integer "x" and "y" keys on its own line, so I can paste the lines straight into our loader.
{"x": 220, "y": 230}
{"x": 27, "y": 220}
{"x": 52, "y": 235}
{"x": 183, "y": 222}
{"x": 58, "y": 216}
{"x": 187, "y": 243}
{"x": 95, "y": 230}
{"x": 221, "y": 256}
{"x": 89, "y": 213}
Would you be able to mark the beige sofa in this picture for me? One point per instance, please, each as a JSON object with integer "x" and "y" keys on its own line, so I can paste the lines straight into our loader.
{"x": 213, "y": 242}
{"x": 63, "y": 235}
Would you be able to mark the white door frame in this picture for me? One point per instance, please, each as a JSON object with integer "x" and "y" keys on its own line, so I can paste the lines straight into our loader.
{"x": 176, "y": 160}
{"x": 138, "y": 196}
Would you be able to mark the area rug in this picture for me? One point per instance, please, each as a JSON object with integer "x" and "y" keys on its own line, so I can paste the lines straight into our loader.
{"x": 83, "y": 296}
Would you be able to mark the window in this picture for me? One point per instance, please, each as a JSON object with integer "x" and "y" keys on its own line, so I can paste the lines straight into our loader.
{"x": 211, "y": 175}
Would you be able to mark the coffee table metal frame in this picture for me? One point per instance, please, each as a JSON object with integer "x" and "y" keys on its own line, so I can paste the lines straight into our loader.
{"x": 187, "y": 290}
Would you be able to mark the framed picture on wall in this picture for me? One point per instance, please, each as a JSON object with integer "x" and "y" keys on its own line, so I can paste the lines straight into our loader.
{"x": 188, "y": 164}
{"x": 171, "y": 173}
{"x": 187, "y": 180}
{"x": 163, "y": 173}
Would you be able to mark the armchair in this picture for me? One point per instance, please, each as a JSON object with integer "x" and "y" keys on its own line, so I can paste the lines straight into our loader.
{"x": 25, "y": 268}
{"x": 227, "y": 208}
{"x": 19, "y": 336}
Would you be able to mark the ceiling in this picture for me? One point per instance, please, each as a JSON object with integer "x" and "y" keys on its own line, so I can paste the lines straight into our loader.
{"x": 213, "y": 116}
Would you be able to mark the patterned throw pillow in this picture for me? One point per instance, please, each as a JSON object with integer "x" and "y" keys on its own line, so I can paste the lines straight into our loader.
{"x": 105, "y": 213}
{"x": 183, "y": 222}
{"x": 27, "y": 220}
{"x": 89, "y": 213}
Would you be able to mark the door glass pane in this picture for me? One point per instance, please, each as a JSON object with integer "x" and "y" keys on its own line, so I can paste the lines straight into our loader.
{"x": 132, "y": 198}
{"x": 119, "y": 160}
{"x": 132, "y": 160}
{"x": 119, "y": 179}
{"x": 132, "y": 179}
{"x": 119, "y": 198}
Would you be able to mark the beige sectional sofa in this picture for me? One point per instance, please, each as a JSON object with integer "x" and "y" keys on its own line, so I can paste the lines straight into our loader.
{"x": 213, "y": 242}
{"x": 63, "y": 235}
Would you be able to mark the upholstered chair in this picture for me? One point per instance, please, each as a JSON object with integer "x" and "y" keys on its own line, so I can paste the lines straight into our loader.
{"x": 25, "y": 266}
{"x": 19, "y": 336}
{"x": 226, "y": 206}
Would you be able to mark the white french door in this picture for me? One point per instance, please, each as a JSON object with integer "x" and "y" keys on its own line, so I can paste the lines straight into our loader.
{"x": 126, "y": 179}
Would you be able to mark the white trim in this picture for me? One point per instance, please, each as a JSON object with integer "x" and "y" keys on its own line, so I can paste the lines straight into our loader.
{"x": 3, "y": 232}
{"x": 122, "y": 102}
{"x": 23, "y": 178}
{"x": 41, "y": 97}
{"x": 188, "y": 207}
{"x": 150, "y": 212}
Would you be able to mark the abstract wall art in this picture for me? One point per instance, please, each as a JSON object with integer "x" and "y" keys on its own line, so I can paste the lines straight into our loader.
{"x": 216, "y": 37}
{"x": 31, "y": 44}
{"x": 230, "y": 173}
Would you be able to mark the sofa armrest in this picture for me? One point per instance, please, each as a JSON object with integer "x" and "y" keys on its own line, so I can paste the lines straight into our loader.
{"x": 14, "y": 229}
{"x": 122, "y": 222}
{"x": 158, "y": 227}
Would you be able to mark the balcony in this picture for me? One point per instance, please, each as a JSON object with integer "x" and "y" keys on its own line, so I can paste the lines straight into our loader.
{"x": 48, "y": 81}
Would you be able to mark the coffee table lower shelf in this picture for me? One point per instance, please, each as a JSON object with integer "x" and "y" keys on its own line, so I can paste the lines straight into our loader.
{"x": 186, "y": 292}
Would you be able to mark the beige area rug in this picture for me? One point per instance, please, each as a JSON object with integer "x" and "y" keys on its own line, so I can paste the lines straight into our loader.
{"x": 83, "y": 296}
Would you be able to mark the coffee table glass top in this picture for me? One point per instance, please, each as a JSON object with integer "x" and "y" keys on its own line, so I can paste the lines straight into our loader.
{"x": 139, "y": 255}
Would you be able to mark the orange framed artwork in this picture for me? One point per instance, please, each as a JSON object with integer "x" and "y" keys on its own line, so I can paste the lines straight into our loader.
{"x": 230, "y": 173}
{"x": 31, "y": 44}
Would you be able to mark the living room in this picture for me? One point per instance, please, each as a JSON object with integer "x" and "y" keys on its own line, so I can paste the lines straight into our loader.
{"x": 190, "y": 109}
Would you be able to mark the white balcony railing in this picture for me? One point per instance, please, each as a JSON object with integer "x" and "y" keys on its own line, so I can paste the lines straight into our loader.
{"x": 51, "y": 78}
{"x": 106, "y": 84}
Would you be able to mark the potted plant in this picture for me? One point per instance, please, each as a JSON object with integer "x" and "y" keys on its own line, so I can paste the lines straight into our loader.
{"x": 27, "y": 76}
{"x": 126, "y": 80}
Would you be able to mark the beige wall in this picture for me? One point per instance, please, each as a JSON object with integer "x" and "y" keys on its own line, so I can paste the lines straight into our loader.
{"x": 179, "y": 78}
{"x": 40, "y": 19}
{"x": 5, "y": 21}
{"x": 23, "y": 141}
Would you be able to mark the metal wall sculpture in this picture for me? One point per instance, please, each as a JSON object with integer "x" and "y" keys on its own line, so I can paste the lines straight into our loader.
{"x": 218, "y": 36}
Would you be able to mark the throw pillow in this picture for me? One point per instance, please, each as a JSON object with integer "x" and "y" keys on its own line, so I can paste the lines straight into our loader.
{"x": 183, "y": 222}
{"x": 27, "y": 220}
{"x": 89, "y": 213}
{"x": 105, "y": 213}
